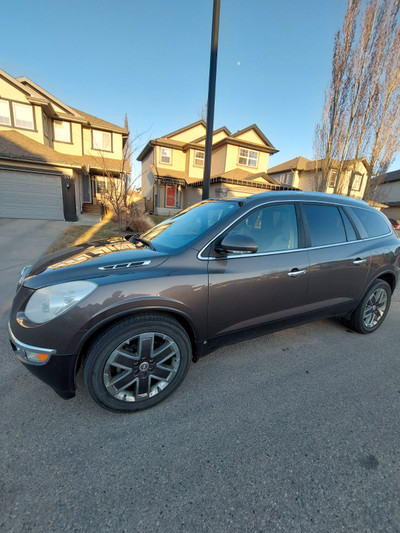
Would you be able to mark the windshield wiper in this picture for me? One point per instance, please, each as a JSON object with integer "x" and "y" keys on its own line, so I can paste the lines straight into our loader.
{"x": 136, "y": 238}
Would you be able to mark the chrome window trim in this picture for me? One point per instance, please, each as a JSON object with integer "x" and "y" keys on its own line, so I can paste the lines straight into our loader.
{"x": 301, "y": 201}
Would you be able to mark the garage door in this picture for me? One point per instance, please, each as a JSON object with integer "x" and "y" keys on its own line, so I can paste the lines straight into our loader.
{"x": 30, "y": 195}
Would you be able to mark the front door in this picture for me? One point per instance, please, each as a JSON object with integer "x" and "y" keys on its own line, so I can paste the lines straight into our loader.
{"x": 170, "y": 196}
{"x": 87, "y": 189}
{"x": 253, "y": 289}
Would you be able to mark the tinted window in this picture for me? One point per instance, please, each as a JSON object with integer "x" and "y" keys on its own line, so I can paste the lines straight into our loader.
{"x": 188, "y": 225}
{"x": 350, "y": 232}
{"x": 324, "y": 224}
{"x": 373, "y": 223}
{"x": 274, "y": 228}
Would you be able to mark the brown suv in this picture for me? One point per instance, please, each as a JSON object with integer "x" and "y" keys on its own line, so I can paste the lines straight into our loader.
{"x": 136, "y": 312}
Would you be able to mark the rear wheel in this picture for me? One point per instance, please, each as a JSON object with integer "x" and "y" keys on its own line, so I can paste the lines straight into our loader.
{"x": 373, "y": 308}
{"x": 137, "y": 363}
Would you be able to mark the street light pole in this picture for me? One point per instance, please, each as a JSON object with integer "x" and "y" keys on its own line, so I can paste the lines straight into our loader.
{"x": 211, "y": 99}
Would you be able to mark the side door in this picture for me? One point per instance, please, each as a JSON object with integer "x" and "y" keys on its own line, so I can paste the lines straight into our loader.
{"x": 339, "y": 259}
{"x": 247, "y": 290}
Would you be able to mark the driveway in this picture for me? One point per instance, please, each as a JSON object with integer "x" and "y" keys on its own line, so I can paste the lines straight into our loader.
{"x": 21, "y": 241}
{"x": 295, "y": 431}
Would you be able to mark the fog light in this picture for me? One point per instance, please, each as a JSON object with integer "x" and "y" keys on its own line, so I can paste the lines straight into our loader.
{"x": 36, "y": 357}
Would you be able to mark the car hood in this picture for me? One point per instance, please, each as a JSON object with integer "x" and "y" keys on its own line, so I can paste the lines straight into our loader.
{"x": 98, "y": 259}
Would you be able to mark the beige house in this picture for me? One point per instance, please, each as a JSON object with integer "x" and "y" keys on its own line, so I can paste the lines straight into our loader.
{"x": 53, "y": 158}
{"x": 388, "y": 192}
{"x": 173, "y": 166}
{"x": 305, "y": 174}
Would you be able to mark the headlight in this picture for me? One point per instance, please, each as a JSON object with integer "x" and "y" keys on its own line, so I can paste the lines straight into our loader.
{"x": 49, "y": 302}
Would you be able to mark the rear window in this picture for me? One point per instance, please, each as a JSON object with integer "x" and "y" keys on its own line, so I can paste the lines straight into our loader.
{"x": 325, "y": 225}
{"x": 374, "y": 224}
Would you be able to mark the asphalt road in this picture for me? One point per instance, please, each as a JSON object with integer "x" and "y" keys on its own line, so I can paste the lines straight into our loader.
{"x": 295, "y": 431}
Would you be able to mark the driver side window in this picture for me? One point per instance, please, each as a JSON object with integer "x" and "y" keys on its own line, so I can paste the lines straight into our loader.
{"x": 274, "y": 228}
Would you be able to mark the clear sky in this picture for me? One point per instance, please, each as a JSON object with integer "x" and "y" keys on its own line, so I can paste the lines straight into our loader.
{"x": 150, "y": 59}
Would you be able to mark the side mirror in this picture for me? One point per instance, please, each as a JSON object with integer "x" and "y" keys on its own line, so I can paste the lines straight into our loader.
{"x": 237, "y": 243}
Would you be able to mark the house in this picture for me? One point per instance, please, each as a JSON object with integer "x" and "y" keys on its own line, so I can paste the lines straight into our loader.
{"x": 173, "y": 166}
{"x": 305, "y": 174}
{"x": 53, "y": 158}
{"x": 388, "y": 192}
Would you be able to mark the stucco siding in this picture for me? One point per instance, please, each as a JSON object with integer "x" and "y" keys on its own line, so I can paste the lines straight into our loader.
{"x": 193, "y": 170}
{"x": 190, "y": 135}
{"x": 116, "y": 152}
{"x": 251, "y": 137}
{"x": 178, "y": 160}
{"x": 218, "y": 159}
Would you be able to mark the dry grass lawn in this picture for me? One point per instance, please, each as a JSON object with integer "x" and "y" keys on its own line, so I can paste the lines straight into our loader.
{"x": 78, "y": 234}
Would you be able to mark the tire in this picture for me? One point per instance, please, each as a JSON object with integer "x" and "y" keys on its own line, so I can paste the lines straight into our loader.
{"x": 372, "y": 310}
{"x": 137, "y": 363}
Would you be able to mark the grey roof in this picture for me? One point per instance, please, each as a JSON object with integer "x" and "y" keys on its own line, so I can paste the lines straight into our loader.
{"x": 392, "y": 176}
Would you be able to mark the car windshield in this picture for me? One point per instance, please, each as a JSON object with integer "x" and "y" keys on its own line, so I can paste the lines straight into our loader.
{"x": 185, "y": 227}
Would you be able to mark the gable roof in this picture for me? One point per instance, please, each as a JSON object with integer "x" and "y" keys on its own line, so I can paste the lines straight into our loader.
{"x": 215, "y": 132}
{"x": 100, "y": 123}
{"x": 166, "y": 140}
{"x": 391, "y": 176}
{"x": 255, "y": 128}
{"x": 302, "y": 163}
{"x": 186, "y": 128}
{"x": 26, "y": 82}
{"x": 15, "y": 82}
{"x": 36, "y": 94}
{"x": 298, "y": 163}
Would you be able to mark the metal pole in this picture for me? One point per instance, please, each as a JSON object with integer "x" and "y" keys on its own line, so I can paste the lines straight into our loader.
{"x": 211, "y": 99}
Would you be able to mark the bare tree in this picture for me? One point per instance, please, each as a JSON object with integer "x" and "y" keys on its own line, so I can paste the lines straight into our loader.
{"x": 359, "y": 117}
{"x": 203, "y": 112}
{"x": 118, "y": 193}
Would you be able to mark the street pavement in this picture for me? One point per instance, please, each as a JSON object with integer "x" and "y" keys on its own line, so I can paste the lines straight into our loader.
{"x": 295, "y": 431}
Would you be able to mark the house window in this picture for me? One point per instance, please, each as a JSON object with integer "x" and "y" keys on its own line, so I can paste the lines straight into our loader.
{"x": 357, "y": 181}
{"x": 198, "y": 158}
{"x": 249, "y": 158}
{"x": 332, "y": 179}
{"x": 5, "y": 115}
{"x": 286, "y": 178}
{"x": 102, "y": 140}
{"x": 23, "y": 116}
{"x": 101, "y": 184}
{"x": 62, "y": 131}
{"x": 170, "y": 198}
{"x": 165, "y": 156}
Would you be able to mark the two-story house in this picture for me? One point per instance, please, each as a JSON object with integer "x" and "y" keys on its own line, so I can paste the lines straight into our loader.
{"x": 53, "y": 158}
{"x": 305, "y": 174}
{"x": 388, "y": 192}
{"x": 173, "y": 166}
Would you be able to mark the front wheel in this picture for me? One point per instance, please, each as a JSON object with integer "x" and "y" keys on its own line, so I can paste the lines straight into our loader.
{"x": 373, "y": 308}
{"x": 137, "y": 363}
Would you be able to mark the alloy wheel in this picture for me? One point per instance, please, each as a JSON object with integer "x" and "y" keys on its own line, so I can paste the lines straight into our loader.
{"x": 375, "y": 308}
{"x": 141, "y": 367}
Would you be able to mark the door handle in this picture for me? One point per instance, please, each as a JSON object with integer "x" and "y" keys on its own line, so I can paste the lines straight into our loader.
{"x": 359, "y": 261}
{"x": 295, "y": 273}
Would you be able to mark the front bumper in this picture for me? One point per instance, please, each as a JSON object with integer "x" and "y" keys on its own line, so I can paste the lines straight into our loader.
{"x": 57, "y": 371}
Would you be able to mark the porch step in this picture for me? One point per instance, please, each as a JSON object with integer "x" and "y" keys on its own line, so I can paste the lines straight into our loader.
{"x": 91, "y": 209}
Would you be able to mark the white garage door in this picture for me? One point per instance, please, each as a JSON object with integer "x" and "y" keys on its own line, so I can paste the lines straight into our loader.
{"x": 30, "y": 195}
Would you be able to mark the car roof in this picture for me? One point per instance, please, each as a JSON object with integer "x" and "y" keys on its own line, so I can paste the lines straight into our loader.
{"x": 303, "y": 196}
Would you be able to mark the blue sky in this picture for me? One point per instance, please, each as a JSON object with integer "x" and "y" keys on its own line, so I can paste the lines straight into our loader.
{"x": 150, "y": 59}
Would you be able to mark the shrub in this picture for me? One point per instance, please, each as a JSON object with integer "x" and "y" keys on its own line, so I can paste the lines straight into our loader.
{"x": 134, "y": 220}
